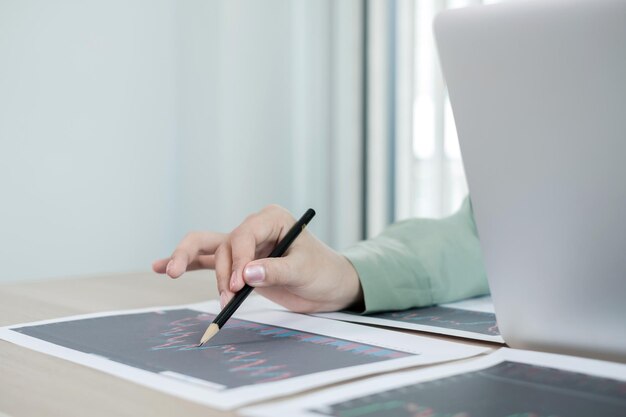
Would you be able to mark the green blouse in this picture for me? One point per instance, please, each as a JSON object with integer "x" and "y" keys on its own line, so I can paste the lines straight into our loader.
{"x": 420, "y": 262}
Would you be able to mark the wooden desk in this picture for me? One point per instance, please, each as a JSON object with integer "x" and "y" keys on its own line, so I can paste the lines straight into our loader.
{"x": 35, "y": 384}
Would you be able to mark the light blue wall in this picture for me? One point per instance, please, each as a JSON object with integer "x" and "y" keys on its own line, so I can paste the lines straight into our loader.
{"x": 124, "y": 124}
{"x": 87, "y": 128}
{"x": 234, "y": 110}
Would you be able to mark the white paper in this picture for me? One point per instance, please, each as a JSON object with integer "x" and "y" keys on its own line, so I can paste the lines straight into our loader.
{"x": 306, "y": 406}
{"x": 422, "y": 351}
{"x": 479, "y": 304}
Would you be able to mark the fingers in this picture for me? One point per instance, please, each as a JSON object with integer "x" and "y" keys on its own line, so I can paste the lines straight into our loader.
{"x": 187, "y": 254}
{"x": 201, "y": 262}
{"x": 223, "y": 272}
{"x": 243, "y": 247}
{"x": 160, "y": 265}
{"x": 255, "y": 237}
{"x": 271, "y": 272}
{"x": 229, "y": 254}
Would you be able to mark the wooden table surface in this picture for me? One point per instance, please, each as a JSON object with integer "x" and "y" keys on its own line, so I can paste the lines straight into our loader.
{"x": 35, "y": 384}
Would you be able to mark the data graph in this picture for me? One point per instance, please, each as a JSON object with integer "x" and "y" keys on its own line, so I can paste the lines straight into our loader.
{"x": 242, "y": 353}
{"x": 508, "y": 389}
{"x": 446, "y": 317}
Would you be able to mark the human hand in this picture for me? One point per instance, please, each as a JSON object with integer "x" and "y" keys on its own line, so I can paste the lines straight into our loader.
{"x": 311, "y": 277}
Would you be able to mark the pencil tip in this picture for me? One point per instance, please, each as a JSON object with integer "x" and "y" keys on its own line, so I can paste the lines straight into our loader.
{"x": 210, "y": 332}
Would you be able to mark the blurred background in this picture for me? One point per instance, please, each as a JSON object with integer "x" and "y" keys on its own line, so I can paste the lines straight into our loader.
{"x": 126, "y": 124}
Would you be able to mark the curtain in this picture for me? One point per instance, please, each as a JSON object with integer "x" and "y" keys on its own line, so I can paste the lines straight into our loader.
{"x": 413, "y": 163}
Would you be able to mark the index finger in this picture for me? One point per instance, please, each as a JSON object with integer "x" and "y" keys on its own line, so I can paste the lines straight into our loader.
{"x": 192, "y": 245}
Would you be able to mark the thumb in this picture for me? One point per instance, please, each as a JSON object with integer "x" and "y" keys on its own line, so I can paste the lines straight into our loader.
{"x": 269, "y": 272}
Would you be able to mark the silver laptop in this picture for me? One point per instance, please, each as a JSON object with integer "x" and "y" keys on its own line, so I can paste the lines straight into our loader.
{"x": 538, "y": 91}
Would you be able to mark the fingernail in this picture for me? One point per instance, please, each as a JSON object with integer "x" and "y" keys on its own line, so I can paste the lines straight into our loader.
{"x": 167, "y": 268}
{"x": 223, "y": 299}
{"x": 254, "y": 273}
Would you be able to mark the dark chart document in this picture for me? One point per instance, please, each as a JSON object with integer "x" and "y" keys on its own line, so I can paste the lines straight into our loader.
{"x": 242, "y": 353}
{"x": 509, "y": 389}
{"x": 446, "y": 317}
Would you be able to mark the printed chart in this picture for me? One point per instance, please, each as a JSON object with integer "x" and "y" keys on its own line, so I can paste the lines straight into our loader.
{"x": 242, "y": 353}
{"x": 472, "y": 319}
{"x": 514, "y": 389}
{"x": 259, "y": 354}
{"x": 506, "y": 384}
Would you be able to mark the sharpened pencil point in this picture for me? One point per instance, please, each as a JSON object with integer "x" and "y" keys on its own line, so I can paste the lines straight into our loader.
{"x": 210, "y": 332}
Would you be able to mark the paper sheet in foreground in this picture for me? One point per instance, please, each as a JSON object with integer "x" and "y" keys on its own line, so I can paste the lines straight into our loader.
{"x": 259, "y": 354}
{"x": 508, "y": 383}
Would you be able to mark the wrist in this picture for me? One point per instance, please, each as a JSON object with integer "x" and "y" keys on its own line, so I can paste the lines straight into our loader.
{"x": 352, "y": 298}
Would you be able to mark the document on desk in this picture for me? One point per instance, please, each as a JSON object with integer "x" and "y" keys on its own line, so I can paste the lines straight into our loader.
{"x": 259, "y": 354}
{"x": 506, "y": 383}
{"x": 473, "y": 318}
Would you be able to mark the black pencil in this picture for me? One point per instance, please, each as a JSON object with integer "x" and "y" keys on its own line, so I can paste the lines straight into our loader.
{"x": 236, "y": 301}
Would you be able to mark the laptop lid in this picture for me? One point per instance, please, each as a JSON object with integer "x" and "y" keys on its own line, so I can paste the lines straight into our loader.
{"x": 538, "y": 91}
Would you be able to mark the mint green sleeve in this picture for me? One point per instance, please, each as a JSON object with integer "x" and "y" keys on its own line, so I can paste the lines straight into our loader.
{"x": 421, "y": 262}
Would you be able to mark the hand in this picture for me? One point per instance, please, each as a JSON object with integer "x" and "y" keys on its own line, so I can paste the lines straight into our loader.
{"x": 311, "y": 277}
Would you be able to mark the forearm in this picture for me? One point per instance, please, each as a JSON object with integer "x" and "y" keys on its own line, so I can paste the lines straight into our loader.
{"x": 421, "y": 262}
